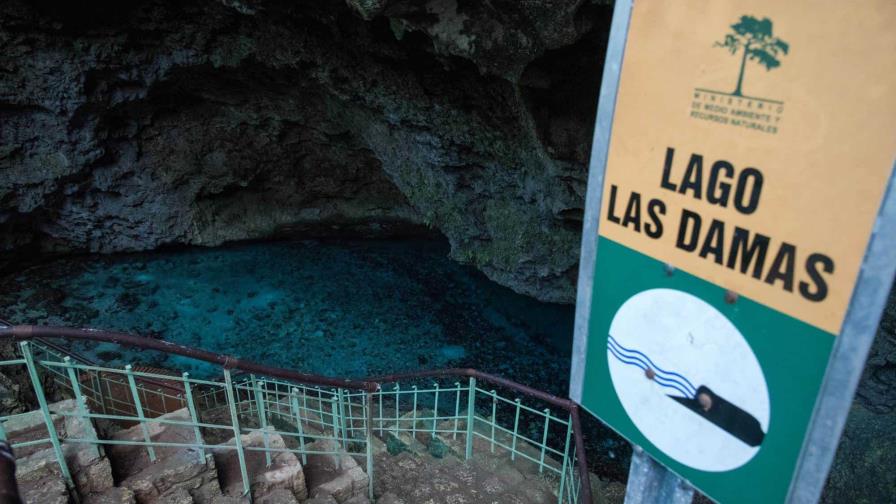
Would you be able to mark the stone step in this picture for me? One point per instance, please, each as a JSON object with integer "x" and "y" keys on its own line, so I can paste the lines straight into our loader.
{"x": 38, "y": 472}
{"x": 285, "y": 472}
{"x": 410, "y": 478}
{"x": 336, "y": 474}
{"x": 115, "y": 495}
{"x": 177, "y": 471}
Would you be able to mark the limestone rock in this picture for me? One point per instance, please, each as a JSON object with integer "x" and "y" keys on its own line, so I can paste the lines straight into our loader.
{"x": 176, "y": 470}
{"x": 284, "y": 473}
{"x": 244, "y": 119}
{"x": 116, "y": 495}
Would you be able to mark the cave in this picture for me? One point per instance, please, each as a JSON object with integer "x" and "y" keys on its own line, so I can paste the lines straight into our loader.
{"x": 430, "y": 159}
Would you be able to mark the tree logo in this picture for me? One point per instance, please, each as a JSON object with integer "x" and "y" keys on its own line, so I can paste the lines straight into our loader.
{"x": 755, "y": 41}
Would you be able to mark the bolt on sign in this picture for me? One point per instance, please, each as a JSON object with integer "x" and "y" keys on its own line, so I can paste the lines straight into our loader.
{"x": 742, "y": 154}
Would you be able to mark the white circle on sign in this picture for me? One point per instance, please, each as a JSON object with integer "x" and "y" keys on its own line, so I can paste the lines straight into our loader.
{"x": 688, "y": 380}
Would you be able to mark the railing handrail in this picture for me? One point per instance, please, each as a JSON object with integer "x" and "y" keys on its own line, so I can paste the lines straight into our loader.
{"x": 29, "y": 332}
{"x": 87, "y": 362}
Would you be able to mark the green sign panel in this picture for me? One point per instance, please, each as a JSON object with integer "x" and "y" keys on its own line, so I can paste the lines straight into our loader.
{"x": 713, "y": 390}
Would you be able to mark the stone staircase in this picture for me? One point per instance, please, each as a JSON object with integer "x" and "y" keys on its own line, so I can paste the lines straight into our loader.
{"x": 409, "y": 469}
{"x": 431, "y": 468}
{"x": 125, "y": 474}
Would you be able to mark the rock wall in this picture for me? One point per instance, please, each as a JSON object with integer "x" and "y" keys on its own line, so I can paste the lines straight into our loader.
{"x": 130, "y": 125}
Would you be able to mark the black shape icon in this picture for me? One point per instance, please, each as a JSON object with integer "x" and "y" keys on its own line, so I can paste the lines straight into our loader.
{"x": 726, "y": 415}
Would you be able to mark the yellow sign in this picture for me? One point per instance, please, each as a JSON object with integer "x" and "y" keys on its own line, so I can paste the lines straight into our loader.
{"x": 751, "y": 147}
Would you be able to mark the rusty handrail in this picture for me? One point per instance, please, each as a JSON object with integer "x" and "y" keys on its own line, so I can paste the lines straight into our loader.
{"x": 27, "y": 332}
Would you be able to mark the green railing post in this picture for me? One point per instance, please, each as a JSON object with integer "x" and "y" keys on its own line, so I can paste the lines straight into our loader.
{"x": 188, "y": 393}
{"x": 262, "y": 420}
{"x": 435, "y": 408}
{"x": 397, "y": 398}
{"x": 414, "y": 415}
{"x": 294, "y": 402}
{"x": 340, "y": 397}
{"x": 347, "y": 415}
{"x": 235, "y": 423}
{"x": 456, "y": 408}
{"x": 516, "y": 425}
{"x": 138, "y": 405}
{"x": 334, "y": 405}
{"x": 380, "y": 396}
{"x": 100, "y": 397}
{"x": 471, "y": 416}
{"x": 45, "y": 412}
{"x": 494, "y": 416}
{"x": 368, "y": 421}
{"x": 80, "y": 400}
{"x": 544, "y": 439}
{"x": 565, "y": 460}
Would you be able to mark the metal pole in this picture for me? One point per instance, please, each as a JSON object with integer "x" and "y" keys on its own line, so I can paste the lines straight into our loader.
{"x": 334, "y": 406}
{"x": 188, "y": 393}
{"x": 79, "y": 397}
{"x": 565, "y": 461}
{"x": 369, "y": 432}
{"x": 645, "y": 473}
{"x": 414, "y": 416}
{"x": 138, "y": 405}
{"x": 650, "y": 482}
{"x": 848, "y": 356}
{"x": 237, "y": 440}
{"x": 435, "y": 414}
{"x": 516, "y": 425}
{"x": 471, "y": 415}
{"x": 45, "y": 412}
{"x": 262, "y": 421}
{"x": 295, "y": 410}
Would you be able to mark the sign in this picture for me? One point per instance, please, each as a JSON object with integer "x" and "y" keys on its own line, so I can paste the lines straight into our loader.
{"x": 741, "y": 157}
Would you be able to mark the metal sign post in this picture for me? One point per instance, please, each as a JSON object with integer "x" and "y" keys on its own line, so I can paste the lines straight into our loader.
{"x": 737, "y": 246}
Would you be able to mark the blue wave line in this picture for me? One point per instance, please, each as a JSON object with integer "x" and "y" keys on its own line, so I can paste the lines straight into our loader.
{"x": 626, "y": 361}
{"x": 652, "y": 364}
{"x": 661, "y": 381}
{"x": 671, "y": 377}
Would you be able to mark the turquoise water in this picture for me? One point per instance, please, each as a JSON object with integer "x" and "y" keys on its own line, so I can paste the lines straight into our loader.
{"x": 349, "y": 309}
{"x": 336, "y": 308}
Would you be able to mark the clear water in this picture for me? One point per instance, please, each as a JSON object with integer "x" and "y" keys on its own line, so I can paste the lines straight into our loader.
{"x": 348, "y": 308}
{"x": 336, "y": 308}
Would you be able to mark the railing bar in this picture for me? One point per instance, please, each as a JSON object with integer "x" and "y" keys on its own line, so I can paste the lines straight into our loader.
{"x": 494, "y": 411}
{"x": 24, "y": 444}
{"x": 414, "y": 415}
{"x": 45, "y": 413}
{"x": 471, "y": 416}
{"x": 565, "y": 458}
{"x": 521, "y": 454}
{"x": 235, "y": 424}
{"x": 544, "y": 437}
{"x": 262, "y": 420}
{"x": 80, "y": 401}
{"x": 188, "y": 391}
{"x": 138, "y": 406}
{"x": 295, "y": 406}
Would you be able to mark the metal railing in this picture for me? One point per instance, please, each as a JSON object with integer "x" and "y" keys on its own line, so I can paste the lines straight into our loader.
{"x": 445, "y": 411}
